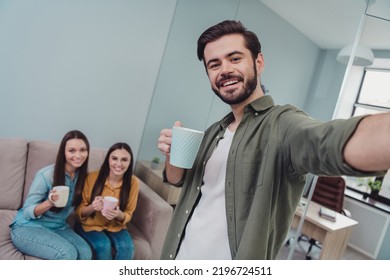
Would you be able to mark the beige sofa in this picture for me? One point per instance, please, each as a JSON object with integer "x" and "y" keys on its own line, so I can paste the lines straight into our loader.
{"x": 21, "y": 159}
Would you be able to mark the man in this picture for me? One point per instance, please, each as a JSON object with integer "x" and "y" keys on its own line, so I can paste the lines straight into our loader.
{"x": 238, "y": 200}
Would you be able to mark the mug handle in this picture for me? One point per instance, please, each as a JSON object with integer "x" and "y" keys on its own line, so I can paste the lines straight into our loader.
{"x": 50, "y": 194}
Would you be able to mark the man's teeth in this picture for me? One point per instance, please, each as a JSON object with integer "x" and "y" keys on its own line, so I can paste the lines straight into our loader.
{"x": 229, "y": 83}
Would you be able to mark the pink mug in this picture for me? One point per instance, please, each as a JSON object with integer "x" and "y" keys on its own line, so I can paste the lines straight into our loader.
{"x": 109, "y": 203}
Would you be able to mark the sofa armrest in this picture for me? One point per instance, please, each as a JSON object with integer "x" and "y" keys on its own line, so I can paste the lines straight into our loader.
{"x": 152, "y": 217}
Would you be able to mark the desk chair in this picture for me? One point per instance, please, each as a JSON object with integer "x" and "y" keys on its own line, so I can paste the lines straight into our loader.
{"x": 329, "y": 192}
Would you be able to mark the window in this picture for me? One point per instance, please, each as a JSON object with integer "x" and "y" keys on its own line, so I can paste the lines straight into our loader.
{"x": 374, "y": 94}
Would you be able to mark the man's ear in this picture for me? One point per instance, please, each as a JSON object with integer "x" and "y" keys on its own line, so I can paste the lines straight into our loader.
{"x": 259, "y": 63}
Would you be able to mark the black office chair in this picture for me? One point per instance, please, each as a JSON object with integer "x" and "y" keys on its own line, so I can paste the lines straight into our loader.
{"x": 329, "y": 192}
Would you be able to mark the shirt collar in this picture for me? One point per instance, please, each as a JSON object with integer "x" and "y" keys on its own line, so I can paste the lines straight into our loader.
{"x": 76, "y": 175}
{"x": 106, "y": 183}
{"x": 260, "y": 104}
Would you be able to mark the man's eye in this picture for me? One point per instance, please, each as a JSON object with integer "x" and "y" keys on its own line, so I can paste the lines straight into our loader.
{"x": 213, "y": 66}
{"x": 236, "y": 59}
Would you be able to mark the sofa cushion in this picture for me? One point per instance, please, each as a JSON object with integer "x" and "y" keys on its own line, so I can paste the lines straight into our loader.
{"x": 8, "y": 250}
{"x": 152, "y": 215}
{"x": 12, "y": 169}
{"x": 42, "y": 153}
{"x": 96, "y": 158}
{"x": 143, "y": 251}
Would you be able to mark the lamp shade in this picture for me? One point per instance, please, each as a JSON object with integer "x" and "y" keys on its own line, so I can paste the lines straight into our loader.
{"x": 363, "y": 56}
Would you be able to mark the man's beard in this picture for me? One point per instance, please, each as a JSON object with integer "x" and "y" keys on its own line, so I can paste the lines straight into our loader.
{"x": 247, "y": 91}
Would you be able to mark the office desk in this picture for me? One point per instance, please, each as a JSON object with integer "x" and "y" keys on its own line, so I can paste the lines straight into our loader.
{"x": 334, "y": 236}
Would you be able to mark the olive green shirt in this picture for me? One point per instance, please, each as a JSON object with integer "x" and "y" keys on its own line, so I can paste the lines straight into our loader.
{"x": 273, "y": 149}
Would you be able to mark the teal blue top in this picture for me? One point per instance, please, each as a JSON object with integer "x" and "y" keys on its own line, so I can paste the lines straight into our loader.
{"x": 39, "y": 191}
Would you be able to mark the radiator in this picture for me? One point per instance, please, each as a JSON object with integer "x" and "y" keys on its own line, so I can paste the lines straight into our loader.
{"x": 368, "y": 234}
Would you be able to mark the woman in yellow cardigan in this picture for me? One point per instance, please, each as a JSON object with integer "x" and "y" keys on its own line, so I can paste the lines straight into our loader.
{"x": 107, "y": 229}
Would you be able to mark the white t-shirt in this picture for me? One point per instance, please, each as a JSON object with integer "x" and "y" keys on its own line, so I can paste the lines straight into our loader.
{"x": 206, "y": 235}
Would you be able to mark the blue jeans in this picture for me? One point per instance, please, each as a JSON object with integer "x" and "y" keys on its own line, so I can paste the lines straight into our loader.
{"x": 50, "y": 244}
{"x": 102, "y": 243}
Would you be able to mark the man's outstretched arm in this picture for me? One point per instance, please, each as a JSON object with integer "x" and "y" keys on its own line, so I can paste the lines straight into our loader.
{"x": 369, "y": 147}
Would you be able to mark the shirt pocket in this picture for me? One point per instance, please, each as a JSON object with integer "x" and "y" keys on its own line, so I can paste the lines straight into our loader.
{"x": 253, "y": 166}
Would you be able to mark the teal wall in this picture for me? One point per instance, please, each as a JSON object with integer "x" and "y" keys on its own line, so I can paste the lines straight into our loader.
{"x": 88, "y": 65}
{"x": 325, "y": 86}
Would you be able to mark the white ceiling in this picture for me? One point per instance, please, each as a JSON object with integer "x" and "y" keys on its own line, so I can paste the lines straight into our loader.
{"x": 333, "y": 24}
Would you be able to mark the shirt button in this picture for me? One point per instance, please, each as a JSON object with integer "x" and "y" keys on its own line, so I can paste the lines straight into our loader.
{"x": 198, "y": 188}
{"x": 186, "y": 211}
{"x": 178, "y": 235}
{"x": 256, "y": 114}
{"x": 170, "y": 256}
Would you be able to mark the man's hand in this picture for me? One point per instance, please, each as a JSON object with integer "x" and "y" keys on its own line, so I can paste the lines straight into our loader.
{"x": 174, "y": 174}
{"x": 165, "y": 140}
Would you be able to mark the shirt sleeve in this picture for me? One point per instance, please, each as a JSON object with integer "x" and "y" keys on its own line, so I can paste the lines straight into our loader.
{"x": 317, "y": 147}
{"x": 38, "y": 193}
{"x": 178, "y": 184}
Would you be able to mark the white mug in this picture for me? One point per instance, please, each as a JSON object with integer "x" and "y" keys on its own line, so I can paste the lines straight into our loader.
{"x": 63, "y": 195}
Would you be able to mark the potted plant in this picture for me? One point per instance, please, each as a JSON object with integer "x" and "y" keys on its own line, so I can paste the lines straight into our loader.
{"x": 155, "y": 162}
{"x": 375, "y": 186}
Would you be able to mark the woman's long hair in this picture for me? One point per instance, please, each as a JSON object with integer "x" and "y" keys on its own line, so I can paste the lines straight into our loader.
{"x": 105, "y": 171}
{"x": 59, "y": 167}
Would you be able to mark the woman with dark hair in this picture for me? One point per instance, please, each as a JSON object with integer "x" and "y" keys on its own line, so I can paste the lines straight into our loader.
{"x": 106, "y": 230}
{"x": 40, "y": 229}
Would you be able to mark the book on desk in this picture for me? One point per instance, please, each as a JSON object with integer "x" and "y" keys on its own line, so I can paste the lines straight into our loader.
{"x": 327, "y": 214}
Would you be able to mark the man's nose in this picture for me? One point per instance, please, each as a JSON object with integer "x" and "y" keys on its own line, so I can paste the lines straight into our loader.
{"x": 226, "y": 67}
